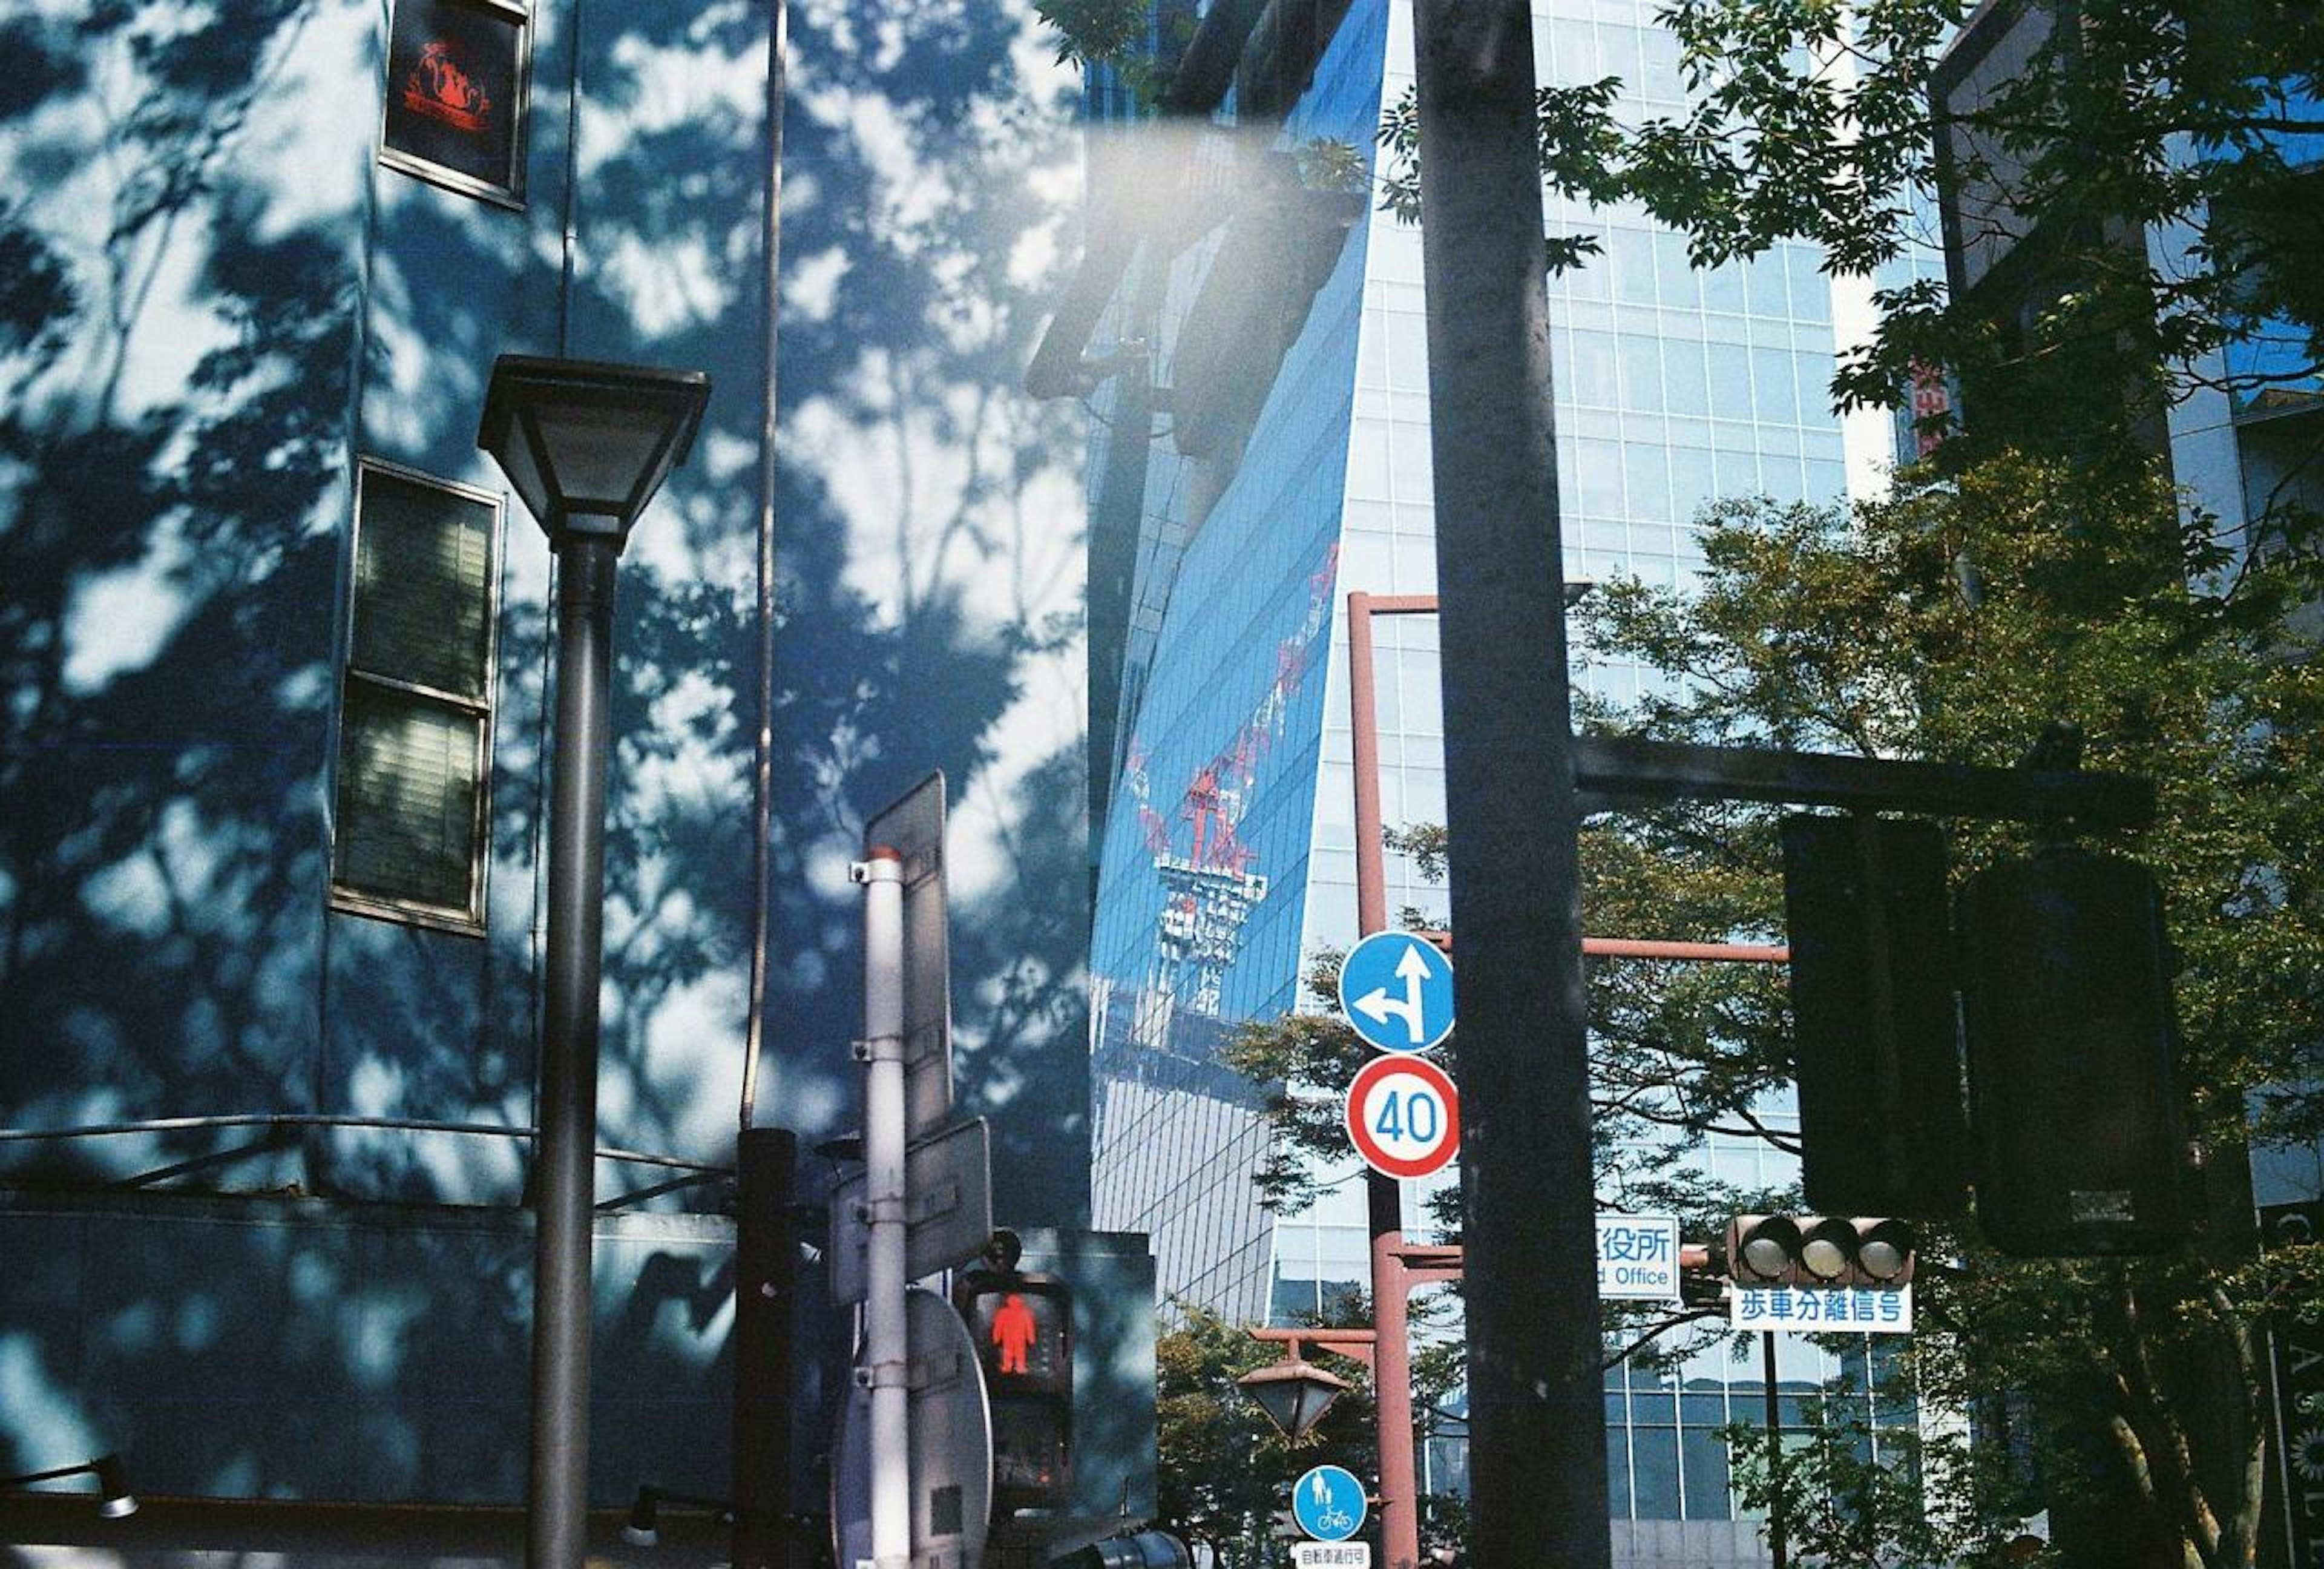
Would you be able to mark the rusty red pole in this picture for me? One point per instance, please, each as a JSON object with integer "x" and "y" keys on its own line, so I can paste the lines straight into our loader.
{"x": 1399, "y": 1491}
{"x": 1391, "y": 1278}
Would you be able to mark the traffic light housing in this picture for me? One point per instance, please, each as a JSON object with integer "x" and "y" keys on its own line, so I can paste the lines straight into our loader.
{"x": 2073, "y": 1067}
{"x": 1816, "y": 1252}
{"x": 1023, "y": 1326}
{"x": 1875, "y": 1051}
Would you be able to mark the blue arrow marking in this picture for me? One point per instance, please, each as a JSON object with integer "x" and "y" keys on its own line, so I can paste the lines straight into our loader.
{"x": 1396, "y": 991}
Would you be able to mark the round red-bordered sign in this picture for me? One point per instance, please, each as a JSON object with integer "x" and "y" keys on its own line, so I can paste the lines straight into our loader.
{"x": 1402, "y": 1115}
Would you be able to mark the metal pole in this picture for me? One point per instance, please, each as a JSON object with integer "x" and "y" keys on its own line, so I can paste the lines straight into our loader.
{"x": 763, "y": 746}
{"x": 564, "y": 1185}
{"x": 766, "y": 1259}
{"x": 1363, "y": 750}
{"x": 1383, "y": 1195}
{"x": 1537, "y": 1446}
{"x": 887, "y": 1351}
{"x": 1777, "y": 1545}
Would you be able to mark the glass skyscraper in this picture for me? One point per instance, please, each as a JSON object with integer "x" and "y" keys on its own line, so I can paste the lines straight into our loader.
{"x": 1279, "y": 364}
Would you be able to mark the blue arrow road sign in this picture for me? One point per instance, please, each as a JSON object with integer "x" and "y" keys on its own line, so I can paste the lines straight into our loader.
{"x": 1397, "y": 990}
{"x": 1328, "y": 1503}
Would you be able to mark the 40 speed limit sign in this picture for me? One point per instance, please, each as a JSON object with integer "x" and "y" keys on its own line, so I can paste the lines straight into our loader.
{"x": 1404, "y": 1116}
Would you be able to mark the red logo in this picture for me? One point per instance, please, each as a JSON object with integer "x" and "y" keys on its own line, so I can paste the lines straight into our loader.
{"x": 439, "y": 88}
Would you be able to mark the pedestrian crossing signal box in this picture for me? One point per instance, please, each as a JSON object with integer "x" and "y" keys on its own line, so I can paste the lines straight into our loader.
{"x": 1023, "y": 1326}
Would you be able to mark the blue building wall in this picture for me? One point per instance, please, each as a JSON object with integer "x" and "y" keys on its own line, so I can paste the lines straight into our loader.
{"x": 1205, "y": 865}
{"x": 215, "y": 300}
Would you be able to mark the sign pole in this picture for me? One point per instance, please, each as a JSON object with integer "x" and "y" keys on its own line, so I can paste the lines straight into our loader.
{"x": 886, "y": 1353}
{"x": 1400, "y": 1488}
{"x": 1777, "y": 1545}
{"x": 766, "y": 1263}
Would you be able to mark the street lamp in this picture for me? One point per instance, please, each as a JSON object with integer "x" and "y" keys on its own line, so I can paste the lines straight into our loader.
{"x": 585, "y": 445}
{"x": 1294, "y": 1394}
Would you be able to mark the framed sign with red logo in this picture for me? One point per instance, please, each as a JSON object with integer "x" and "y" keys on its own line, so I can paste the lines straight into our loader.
{"x": 456, "y": 79}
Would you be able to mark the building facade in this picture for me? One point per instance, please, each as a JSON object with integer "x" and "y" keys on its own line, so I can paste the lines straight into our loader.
{"x": 1226, "y": 851}
{"x": 276, "y": 650}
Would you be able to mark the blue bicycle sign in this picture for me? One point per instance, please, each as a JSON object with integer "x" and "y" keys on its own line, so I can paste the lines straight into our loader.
{"x": 1328, "y": 1503}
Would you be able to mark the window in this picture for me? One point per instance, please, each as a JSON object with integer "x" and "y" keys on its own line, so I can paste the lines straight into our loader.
{"x": 457, "y": 76}
{"x": 415, "y": 715}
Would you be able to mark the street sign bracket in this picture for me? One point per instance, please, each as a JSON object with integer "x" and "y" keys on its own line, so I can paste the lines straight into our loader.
{"x": 1611, "y": 772}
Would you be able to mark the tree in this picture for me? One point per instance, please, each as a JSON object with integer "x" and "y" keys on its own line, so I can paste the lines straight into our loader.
{"x": 1818, "y": 120}
{"x": 1834, "y": 124}
{"x": 1224, "y": 1470}
{"x": 1953, "y": 620}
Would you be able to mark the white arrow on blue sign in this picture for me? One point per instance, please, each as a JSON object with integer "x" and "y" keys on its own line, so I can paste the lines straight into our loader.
{"x": 1328, "y": 1503}
{"x": 1397, "y": 991}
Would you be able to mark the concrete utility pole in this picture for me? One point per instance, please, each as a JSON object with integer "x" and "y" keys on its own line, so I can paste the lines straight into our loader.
{"x": 1537, "y": 1446}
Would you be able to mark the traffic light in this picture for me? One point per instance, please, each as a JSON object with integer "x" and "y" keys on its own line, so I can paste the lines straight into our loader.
{"x": 1818, "y": 1251}
{"x": 2073, "y": 1067}
{"x": 1140, "y": 1550}
{"x": 1875, "y": 1051}
{"x": 1023, "y": 1326}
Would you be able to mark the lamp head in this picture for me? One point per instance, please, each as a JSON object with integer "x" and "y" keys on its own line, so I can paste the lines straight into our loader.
{"x": 586, "y": 444}
{"x": 1295, "y": 1395}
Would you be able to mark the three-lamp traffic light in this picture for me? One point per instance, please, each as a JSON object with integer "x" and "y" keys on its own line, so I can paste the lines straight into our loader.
{"x": 1023, "y": 1326}
{"x": 1818, "y": 1251}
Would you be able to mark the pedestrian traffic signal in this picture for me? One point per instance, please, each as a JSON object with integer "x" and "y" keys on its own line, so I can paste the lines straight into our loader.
{"x": 1023, "y": 1328}
{"x": 1817, "y": 1252}
{"x": 2073, "y": 1057}
{"x": 1024, "y": 1331}
{"x": 1140, "y": 1550}
{"x": 1875, "y": 1052}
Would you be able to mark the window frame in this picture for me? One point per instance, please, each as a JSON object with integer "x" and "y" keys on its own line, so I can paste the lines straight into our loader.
{"x": 471, "y": 921}
{"x": 427, "y": 170}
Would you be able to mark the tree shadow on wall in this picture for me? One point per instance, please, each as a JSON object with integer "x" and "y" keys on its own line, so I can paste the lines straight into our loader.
{"x": 182, "y": 323}
{"x": 931, "y": 586}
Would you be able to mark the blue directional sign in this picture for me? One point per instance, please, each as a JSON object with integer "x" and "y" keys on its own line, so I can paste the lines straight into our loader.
{"x": 1397, "y": 990}
{"x": 1328, "y": 1503}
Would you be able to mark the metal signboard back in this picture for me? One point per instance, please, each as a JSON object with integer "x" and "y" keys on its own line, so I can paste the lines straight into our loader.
{"x": 914, "y": 826}
{"x": 947, "y": 1220}
{"x": 952, "y": 1448}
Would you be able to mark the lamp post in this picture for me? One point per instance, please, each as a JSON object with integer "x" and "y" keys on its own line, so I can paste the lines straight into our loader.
{"x": 586, "y": 446}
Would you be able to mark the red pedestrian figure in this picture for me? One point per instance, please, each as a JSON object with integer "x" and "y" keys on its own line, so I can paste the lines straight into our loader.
{"x": 1013, "y": 1330}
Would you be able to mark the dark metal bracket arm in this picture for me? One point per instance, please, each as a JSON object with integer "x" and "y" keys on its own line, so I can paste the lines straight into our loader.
{"x": 1611, "y": 772}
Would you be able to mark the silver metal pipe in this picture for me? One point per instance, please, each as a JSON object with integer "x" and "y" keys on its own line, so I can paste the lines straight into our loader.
{"x": 887, "y": 1351}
